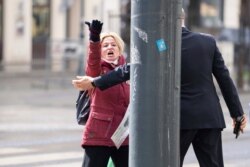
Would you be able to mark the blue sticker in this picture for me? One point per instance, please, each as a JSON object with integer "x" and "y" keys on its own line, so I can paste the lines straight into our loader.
{"x": 161, "y": 45}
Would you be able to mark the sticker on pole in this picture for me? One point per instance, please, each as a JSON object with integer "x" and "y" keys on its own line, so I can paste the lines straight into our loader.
{"x": 161, "y": 45}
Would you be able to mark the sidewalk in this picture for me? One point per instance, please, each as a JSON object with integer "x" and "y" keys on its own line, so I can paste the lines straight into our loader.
{"x": 37, "y": 121}
{"x": 38, "y": 126}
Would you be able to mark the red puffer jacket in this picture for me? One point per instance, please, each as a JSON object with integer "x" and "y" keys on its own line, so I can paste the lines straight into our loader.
{"x": 107, "y": 107}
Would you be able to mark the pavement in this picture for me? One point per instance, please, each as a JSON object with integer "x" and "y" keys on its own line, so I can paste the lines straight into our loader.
{"x": 38, "y": 126}
{"x": 37, "y": 121}
{"x": 236, "y": 152}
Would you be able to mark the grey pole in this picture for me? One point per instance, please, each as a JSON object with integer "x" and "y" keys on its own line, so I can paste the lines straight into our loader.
{"x": 155, "y": 83}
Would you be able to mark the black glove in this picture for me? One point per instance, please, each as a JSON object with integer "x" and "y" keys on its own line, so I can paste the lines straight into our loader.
{"x": 95, "y": 29}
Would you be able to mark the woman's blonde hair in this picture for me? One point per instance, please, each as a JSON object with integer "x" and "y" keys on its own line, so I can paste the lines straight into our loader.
{"x": 116, "y": 37}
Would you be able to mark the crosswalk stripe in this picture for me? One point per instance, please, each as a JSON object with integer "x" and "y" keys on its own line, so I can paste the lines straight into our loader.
{"x": 37, "y": 158}
{"x": 78, "y": 164}
{"x": 197, "y": 165}
{"x": 6, "y": 151}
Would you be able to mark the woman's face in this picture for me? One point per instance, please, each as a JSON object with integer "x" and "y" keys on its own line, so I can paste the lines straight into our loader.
{"x": 109, "y": 49}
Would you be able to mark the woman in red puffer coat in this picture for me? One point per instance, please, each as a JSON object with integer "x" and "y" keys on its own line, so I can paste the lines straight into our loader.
{"x": 107, "y": 107}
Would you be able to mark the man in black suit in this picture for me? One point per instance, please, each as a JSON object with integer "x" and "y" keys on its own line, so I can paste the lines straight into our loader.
{"x": 201, "y": 115}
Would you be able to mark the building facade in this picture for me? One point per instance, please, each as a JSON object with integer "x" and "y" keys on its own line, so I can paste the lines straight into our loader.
{"x": 35, "y": 31}
{"x": 40, "y": 34}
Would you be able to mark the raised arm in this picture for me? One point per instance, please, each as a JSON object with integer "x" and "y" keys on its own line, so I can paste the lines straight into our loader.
{"x": 93, "y": 67}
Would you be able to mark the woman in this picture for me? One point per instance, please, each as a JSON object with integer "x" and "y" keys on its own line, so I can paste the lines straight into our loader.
{"x": 107, "y": 107}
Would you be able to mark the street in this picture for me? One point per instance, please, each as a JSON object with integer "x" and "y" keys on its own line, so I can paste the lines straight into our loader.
{"x": 236, "y": 151}
{"x": 38, "y": 126}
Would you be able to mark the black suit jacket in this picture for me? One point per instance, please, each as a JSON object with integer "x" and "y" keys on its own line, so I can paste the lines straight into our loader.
{"x": 200, "y": 105}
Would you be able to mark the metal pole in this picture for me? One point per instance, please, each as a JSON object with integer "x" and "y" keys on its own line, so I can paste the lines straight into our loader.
{"x": 155, "y": 83}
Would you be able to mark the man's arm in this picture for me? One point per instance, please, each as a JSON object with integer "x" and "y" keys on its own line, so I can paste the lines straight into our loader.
{"x": 118, "y": 75}
{"x": 227, "y": 86}
{"x": 228, "y": 90}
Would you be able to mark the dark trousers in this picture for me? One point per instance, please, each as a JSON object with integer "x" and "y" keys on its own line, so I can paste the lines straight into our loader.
{"x": 207, "y": 146}
{"x": 98, "y": 156}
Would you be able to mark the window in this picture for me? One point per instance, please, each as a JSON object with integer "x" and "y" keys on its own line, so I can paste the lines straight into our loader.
{"x": 40, "y": 18}
{"x": 211, "y": 13}
{"x": 204, "y": 13}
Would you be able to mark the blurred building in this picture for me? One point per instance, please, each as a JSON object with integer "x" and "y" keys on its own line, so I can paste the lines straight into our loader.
{"x": 213, "y": 17}
{"x": 37, "y": 34}
{"x": 40, "y": 34}
{"x": 228, "y": 21}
